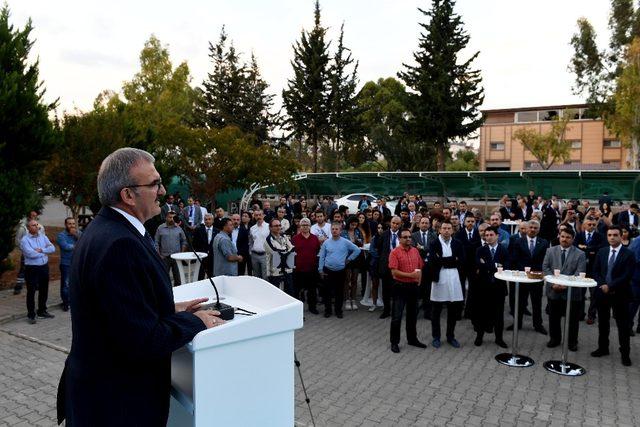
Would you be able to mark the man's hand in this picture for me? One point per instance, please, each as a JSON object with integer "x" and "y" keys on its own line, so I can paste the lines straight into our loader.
{"x": 39, "y": 250}
{"x": 240, "y": 259}
{"x": 209, "y": 318}
{"x": 558, "y": 288}
{"x": 582, "y": 246}
{"x": 604, "y": 289}
{"x": 190, "y": 306}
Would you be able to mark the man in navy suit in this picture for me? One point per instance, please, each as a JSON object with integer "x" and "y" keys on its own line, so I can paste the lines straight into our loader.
{"x": 629, "y": 219}
{"x": 613, "y": 271}
{"x": 489, "y": 292}
{"x": 530, "y": 252}
{"x": 125, "y": 322}
{"x": 589, "y": 240}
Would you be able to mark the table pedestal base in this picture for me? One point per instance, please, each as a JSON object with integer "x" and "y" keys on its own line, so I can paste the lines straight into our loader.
{"x": 564, "y": 368}
{"x": 516, "y": 361}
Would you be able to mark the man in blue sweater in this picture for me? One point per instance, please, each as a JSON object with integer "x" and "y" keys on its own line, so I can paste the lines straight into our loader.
{"x": 335, "y": 253}
{"x": 67, "y": 241}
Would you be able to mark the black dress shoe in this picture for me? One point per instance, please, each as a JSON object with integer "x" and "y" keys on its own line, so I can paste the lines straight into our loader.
{"x": 395, "y": 348}
{"x": 65, "y": 307}
{"x": 17, "y": 291}
{"x": 478, "y": 341}
{"x": 553, "y": 344}
{"x": 626, "y": 361}
{"x": 427, "y": 316}
{"x": 501, "y": 343}
{"x": 384, "y": 315}
{"x": 45, "y": 315}
{"x": 417, "y": 344}
{"x": 638, "y": 328}
{"x": 541, "y": 330}
{"x": 573, "y": 347}
{"x": 313, "y": 311}
{"x": 327, "y": 315}
{"x": 339, "y": 315}
{"x": 510, "y": 328}
{"x": 32, "y": 320}
{"x": 632, "y": 333}
{"x": 526, "y": 312}
{"x": 599, "y": 353}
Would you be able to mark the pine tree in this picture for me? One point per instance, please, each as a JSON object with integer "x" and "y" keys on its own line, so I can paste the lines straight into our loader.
{"x": 343, "y": 106}
{"x": 307, "y": 92}
{"x": 446, "y": 91}
{"x": 27, "y": 136}
{"x": 235, "y": 94}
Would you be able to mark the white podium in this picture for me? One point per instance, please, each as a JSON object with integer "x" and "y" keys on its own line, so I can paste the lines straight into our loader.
{"x": 240, "y": 373}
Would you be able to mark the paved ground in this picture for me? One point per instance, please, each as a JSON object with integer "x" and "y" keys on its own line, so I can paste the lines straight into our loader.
{"x": 353, "y": 378}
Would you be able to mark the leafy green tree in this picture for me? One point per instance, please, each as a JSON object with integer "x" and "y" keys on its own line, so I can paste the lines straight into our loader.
{"x": 216, "y": 160}
{"x": 465, "y": 160}
{"x": 598, "y": 72}
{"x": 306, "y": 97}
{"x": 548, "y": 147}
{"x": 27, "y": 136}
{"x": 384, "y": 112}
{"x": 86, "y": 139}
{"x": 159, "y": 100}
{"x": 345, "y": 129}
{"x": 625, "y": 120}
{"x": 445, "y": 90}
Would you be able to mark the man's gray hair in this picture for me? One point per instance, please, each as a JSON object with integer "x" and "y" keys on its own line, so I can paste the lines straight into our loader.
{"x": 115, "y": 173}
{"x": 208, "y": 215}
{"x": 305, "y": 221}
{"x": 533, "y": 222}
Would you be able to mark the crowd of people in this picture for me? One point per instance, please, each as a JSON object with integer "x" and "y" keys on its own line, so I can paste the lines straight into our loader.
{"x": 418, "y": 258}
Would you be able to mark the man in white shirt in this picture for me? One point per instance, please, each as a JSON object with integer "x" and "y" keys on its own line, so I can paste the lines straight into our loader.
{"x": 321, "y": 229}
{"x": 35, "y": 247}
{"x": 257, "y": 238}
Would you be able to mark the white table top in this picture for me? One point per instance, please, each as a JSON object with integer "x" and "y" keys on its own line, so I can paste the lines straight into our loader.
{"x": 508, "y": 276}
{"x": 573, "y": 281}
{"x": 187, "y": 256}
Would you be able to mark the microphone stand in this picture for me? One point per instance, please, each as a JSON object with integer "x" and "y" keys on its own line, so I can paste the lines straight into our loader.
{"x": 227, "y": 312}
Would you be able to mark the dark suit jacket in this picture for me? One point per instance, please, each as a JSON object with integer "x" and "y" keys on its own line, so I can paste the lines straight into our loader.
{"x": 520, "y": 216}
{"x": 522, "y": 256}
{"x": 435, "y": 258}
{"x": 125, "y": 328}
{"x": 242, "y": 244}
{"x": 470, "y": 247}
{"x": 506, "y": 213}
{"x": 513, "y": 241}
{"x": 200, "y": 244}
{"x": 622, "y": 273}
{"x": 384, "y": 248}
{"x": 623, "y": 219}
{"x": 486, "y": 268}
{"x": 597, "y": 241}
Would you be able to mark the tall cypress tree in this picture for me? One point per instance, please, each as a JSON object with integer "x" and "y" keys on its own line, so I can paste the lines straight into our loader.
{"x": 307, "y": 92}
{"x": 26, "y": 134}
{"x": 343, "y": 105}
{"x": 257, "y": 104}
{"x": 446, "y": 91}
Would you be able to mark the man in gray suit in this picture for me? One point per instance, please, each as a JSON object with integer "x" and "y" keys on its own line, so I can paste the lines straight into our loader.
{"x": 193, "y": 215}
{"x": 570, "y": 261}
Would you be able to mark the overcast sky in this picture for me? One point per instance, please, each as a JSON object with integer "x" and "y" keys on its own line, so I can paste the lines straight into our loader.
{"x": 86, "y": 46}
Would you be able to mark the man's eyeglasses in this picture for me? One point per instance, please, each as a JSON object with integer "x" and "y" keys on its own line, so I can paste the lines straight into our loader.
{"x": 157, "y": 183}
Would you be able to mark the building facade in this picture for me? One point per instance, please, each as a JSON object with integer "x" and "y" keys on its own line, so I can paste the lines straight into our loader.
{"x": 592, "y": 146}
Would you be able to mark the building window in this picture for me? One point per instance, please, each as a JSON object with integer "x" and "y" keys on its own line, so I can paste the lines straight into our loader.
{"x": 497, "y": 146}
{"x": 575, "y": 145}
{"x": 612, "y": 143}
{"x": 528, "y": 165}
{"x": 526, "y": 116}
{"x": 545, "y": 116}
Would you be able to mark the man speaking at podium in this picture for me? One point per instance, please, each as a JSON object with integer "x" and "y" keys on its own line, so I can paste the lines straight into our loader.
{"x": 124, "y": 319}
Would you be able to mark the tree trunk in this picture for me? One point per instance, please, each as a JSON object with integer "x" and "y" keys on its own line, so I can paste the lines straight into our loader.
{"x": 441, "y": 157}
{"x": 635, "y": 151}
{"x": 314, "y": 147}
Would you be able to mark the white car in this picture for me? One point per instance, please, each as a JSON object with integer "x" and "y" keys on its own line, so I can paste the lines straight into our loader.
{"x": 353, "y": 200}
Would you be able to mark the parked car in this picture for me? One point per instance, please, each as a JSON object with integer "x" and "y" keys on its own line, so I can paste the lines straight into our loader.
{"x": 353, "y": 200}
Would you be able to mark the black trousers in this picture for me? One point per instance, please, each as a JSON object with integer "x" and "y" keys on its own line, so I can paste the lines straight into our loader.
{"x": 557, "y": 310}
{"x": 620, "y": 306}
{"x": 453, "y": 312}
{"x": 404, "y": 294}
{"x": 387, "y": 289}
{"x": 171, "y": 266}
{"x": 37, "y": 279}
{"x": 244, "y": 267}
{"x": 334, "y": 290}
{"x": 534, "y": 291}
{"x": 306, "y": 280}
{"x": 488, "y": 310}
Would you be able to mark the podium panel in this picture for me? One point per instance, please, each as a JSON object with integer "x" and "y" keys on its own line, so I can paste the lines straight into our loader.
{"x": 240, "y": 373}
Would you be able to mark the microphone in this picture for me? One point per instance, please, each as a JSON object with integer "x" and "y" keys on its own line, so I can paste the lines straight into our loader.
{"x": 227, "y": 312}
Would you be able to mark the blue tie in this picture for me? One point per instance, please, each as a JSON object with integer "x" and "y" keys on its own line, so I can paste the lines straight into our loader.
{"x": 612, "y": 260}
{"x": 532, "y": 247}
{"x": 394, "y": 240}
{"x": 588, "y": 238}
{"x": 493, "y": 253}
